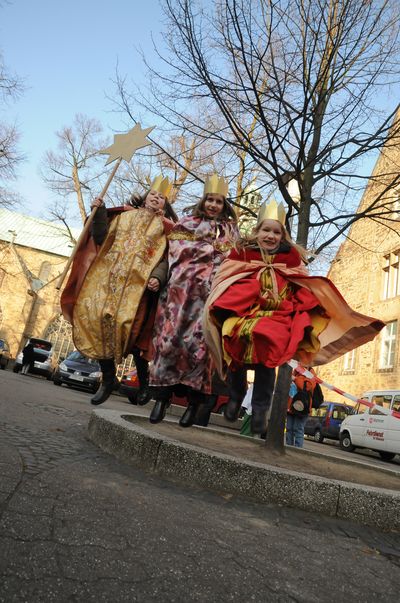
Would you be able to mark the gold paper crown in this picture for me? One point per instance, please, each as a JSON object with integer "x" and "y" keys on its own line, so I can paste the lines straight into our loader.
{"x": 161, "y": 185}
{"x": 216, "y": 185}
{"x": 272, "y": 211}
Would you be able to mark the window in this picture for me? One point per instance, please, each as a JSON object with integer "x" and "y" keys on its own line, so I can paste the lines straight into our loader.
{"x": 349, "y": 362}
{"x": 391, "y": 275}
{"x": 388, "y": 346}
{"x": 396, "y": 403}
{"x": 44, "y": 273}
{"x": 382, "y": 400}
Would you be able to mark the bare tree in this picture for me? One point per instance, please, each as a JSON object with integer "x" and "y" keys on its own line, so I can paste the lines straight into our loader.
{"x": 75, "y": 168}
{"x": 297, "y": 86}
{"x": 11, "y": 86}
{"x": 187, "y": 157}
{"x": 304, "y": 89}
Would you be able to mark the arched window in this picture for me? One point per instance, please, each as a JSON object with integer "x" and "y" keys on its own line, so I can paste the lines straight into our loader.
{"x": 59, "y": 332}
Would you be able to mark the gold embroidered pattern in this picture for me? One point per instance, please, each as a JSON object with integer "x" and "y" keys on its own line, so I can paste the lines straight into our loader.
{"x": 110, "y": 295}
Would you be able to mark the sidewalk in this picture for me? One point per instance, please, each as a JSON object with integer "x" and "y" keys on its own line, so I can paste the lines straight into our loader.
{"x": 225, "y": 461}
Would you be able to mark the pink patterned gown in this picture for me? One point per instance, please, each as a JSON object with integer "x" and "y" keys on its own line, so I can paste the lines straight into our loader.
{"x": 197, "y": 246}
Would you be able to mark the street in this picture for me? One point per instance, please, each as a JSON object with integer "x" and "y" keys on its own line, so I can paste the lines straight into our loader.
{"x": 77, "y": 525}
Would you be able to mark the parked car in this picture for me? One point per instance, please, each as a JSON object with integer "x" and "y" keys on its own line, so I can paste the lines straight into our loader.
{"x": 325, "y": 421}
{"x": 4, "y": 354}
{"x": 78, "y": 371}
{"x": 374, "y": 428}
{"x": 129, "y": 385}
{"x": 44, "y": 362}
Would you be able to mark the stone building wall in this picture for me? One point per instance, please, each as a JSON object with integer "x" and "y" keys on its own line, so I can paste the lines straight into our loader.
{"x": 29, "y": 300}
{"x": 358, "y": 273}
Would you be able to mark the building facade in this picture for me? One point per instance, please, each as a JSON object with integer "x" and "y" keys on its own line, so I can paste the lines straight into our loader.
{"x": 33, "y": 254}
{"x": 366, "y": 270}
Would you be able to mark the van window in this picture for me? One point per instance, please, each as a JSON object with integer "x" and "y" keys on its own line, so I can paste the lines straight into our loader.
{"x": 382, "y": 400}
{"x": 322, "y": 411}
{"x": 360, "y": 409}
{"x": 396, "y": 403}
{"x": 339, "y": 412}
{"x": 375, "y": 411}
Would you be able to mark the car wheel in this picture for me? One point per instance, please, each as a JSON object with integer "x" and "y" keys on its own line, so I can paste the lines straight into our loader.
{"x": 318, "y": 437}
{"x": 345, "y": 442}
{"x": 57, "y": 382}
{"x": 386, "y": 456}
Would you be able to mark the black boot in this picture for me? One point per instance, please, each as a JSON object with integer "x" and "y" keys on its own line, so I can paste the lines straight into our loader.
{"x": 107, "y": 385}
{"x": 142, "y": 369}
{"x": 162, "y": 396}
{"x": 195, "y": 399}
{"x": 264, "y": 381}
{"x": 237, "y": 385}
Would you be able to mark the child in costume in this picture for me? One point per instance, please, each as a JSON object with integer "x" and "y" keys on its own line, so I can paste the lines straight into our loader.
{"x": 197, "y": 245}
{"x": 264, "y": 309}
{"x": 112, "y": 292}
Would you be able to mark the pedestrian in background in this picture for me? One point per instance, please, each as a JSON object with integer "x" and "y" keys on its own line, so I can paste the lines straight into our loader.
{"x": 299, "y": 407}
{"x": 28, "y": 355}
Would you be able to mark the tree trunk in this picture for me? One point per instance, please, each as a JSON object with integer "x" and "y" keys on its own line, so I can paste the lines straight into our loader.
{"x": 276, "y": 425}
{"x": 78, "y": 190}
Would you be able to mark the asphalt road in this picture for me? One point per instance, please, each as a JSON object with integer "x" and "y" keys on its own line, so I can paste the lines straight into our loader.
{"x": 76, "y": 525}
{"x": 361, "y": 455}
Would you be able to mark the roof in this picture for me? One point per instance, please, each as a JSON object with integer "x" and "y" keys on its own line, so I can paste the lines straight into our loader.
{"x": 35, "y": 233}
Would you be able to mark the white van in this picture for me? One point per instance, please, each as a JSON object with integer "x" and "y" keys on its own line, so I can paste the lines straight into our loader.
{"x": 375, "y": 428}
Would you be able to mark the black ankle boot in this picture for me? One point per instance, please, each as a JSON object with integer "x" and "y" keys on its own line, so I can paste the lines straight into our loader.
{"x": 103, "y": 393}
{"x": 159, "y": 410}
{"x": 237, "y": 386}
{"x": 142, "y": 369}
{"x": 232, "y": 410}
{"x": 188, "y": 417}
{"x": 143, "y": 396}
{"x": 195, "y": 399}
{"x": 107, "y": 366}
{"x": 258, "y": 423}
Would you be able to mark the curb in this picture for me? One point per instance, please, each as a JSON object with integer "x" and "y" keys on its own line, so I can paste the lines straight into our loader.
{"x": 190, "y": 464}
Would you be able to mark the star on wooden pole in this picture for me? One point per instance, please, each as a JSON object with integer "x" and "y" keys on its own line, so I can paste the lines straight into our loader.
{"x": 123, "y": 147}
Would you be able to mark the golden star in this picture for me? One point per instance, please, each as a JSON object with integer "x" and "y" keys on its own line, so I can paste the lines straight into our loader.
{"x": 126, "y": 144}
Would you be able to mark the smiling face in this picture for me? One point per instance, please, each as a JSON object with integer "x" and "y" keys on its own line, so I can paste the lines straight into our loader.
{"x": 270, "y": 235}
{"x": 214, "y": 205}
{"x": 155, "y": 201}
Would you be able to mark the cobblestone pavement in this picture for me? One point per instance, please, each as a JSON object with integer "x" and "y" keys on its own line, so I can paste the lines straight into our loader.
{"x": 76, "y": 525}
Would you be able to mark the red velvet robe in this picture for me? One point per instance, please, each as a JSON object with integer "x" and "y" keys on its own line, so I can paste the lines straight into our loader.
{"x": 271, "y": 311}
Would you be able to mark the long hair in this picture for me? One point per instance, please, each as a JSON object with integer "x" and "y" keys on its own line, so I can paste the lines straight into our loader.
{"x": 198, "y": 210}
{"x": 251, "y": 240}
{"x": 139, "y": 200}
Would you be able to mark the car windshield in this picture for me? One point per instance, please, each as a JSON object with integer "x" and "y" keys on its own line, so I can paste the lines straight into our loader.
{"x": 78, "y": 357}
